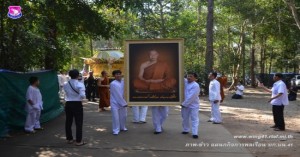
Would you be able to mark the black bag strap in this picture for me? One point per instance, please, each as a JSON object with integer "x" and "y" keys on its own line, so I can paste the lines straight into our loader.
{"x": 73, "y": 88}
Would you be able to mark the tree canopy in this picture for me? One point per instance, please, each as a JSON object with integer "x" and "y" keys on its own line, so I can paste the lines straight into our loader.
{"x": 248, "y": 37}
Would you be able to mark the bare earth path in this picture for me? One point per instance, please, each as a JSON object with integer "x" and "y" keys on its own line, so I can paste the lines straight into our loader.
{"x": 250, "y": 119}
{"x": 250, "y": 116}
{"x": 139, "y": 141}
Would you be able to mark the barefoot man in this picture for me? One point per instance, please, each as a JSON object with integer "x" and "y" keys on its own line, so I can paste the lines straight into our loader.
{"x": 103, "y": 84}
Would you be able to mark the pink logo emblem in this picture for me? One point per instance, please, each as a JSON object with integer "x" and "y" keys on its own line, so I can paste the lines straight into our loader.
{"x": 14, "y": 12}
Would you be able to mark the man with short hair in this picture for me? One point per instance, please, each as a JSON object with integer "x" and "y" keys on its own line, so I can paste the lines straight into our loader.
{"x": 214, "y": 99}
{"x": 190, "y": 105}
{"x": 75, "y": 93}
{"x": 239, "y": 91}
{"x": 34, "y": 105}
{"x": 118, "y": 103}
{"x": 278, "y": 100}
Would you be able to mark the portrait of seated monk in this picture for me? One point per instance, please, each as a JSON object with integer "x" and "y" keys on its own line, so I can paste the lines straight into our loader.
{"x": 154, "y": 76}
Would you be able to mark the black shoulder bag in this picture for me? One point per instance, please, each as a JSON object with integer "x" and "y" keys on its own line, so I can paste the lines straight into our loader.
{"x": 73, "y": 88}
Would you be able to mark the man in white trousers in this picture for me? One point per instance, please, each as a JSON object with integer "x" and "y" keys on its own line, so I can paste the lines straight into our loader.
{"x": 139, "y": 114}
{"x": 34, "y": 105}
{"x": 118, "y": 103}
{"x": 190, "y": 105}
{"x": 159, "y": 115}
{"x": 214, "y": 99}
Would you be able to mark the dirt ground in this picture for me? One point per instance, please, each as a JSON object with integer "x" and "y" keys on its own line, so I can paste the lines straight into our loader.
{"x": 250, "y": 119}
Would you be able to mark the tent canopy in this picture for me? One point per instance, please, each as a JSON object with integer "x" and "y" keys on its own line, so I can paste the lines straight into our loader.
{"x": 109, "y": 55}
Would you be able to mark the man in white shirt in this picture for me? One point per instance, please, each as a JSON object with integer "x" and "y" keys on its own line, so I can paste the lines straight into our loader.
{"x": 239, "y": 91}
{"x": 118, "y": 103}
{"x": 278, "y": 100}
{"x": 139, "y": 114}
{"x": 34, "y": 105}
{"x": 75, "y": 93}
{"x": 190, "y": 105}
{"x": 214, "y": 99}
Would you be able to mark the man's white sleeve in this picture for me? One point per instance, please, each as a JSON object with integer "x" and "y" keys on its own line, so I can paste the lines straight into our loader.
{"x": 82, "y": 91}
{"x": 191, "y": 96}
{"x": 118, "y": 95}
{"x": 29, "y": 95}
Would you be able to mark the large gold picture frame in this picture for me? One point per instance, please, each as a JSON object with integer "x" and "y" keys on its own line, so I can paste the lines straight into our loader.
{"x": 154, "y": 72}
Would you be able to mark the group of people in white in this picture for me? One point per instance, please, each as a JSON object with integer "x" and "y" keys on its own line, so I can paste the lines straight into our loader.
{"x": 75, "y": 93}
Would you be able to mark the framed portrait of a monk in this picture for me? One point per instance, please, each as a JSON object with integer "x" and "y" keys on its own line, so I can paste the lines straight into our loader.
{"x": 154, "y": 72}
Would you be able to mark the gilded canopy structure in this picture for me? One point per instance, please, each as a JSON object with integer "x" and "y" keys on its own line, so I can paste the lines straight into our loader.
{"x": 107, "y": 60}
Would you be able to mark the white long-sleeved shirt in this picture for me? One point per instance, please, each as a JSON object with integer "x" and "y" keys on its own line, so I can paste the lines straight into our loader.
{"x": 214, "y": 90}
{"x": 117, "y": 94}
{"x": 279, "y": 87}
{"x": 62, "y": 79}
{"x": 34, "y": 94}
{"x": 240, "y": 90}
{"x": 71, "y": 95}
{"x": 191, "y": 94}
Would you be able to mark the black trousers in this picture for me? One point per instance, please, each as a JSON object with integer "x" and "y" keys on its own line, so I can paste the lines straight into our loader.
{"x": 90, "y": 92}
{"x": 74, "y": 110}
{"x": 236, "y": 96}
{"x": 278, "y": 116}
{"x": 292, "y": 97}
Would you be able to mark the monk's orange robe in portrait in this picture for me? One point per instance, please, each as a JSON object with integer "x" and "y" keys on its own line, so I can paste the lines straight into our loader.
{"x": 156, "y": 71}
{"x": 104, "y": 94}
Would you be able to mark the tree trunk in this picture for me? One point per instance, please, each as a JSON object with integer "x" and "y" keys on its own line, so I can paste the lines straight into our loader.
{"x": 51, "y": 36}
{"x": 271, "y": 60}
{"x": 252, "y": 58}
{"x": 91, "y": 46}
{"x": 162, "y": 19}
{"x": 239, "y": 54}
{"x": 199, "y": 32}
{"x": 262, "y": 55}
{"x": 209, "y": 56}
{"x": 292, "y": 6}
{"x": 243, "y": 48}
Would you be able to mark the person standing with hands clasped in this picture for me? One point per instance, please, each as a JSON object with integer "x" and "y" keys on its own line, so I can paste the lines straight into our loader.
{"x": 34, "y": 105}
{"x": 75, "y": 93}
{"x": 190, "y": 105}
{"x": 103, "y": 84}
{"x": 118, "y": 103}
{"x": 278, "y": 100}
{"x": 214, "y": 99}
